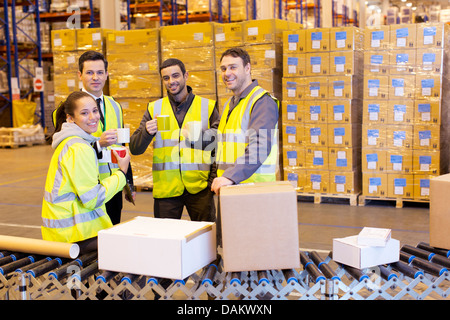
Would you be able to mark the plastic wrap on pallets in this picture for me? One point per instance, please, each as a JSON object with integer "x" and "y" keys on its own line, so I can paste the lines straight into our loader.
{"x": 405, "y": 111}
{"x": 27, "y": 134}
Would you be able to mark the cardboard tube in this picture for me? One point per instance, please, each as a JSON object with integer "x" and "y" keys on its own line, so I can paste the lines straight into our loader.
{"x": 37, "y": 246}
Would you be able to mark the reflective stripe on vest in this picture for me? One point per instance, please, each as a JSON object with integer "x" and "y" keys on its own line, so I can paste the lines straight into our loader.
{"x": 234, "y": 137}
{"x": 176, "y": 165}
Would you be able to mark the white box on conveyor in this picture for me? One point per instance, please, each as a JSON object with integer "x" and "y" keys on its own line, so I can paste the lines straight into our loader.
{"x": 165, "y": 248}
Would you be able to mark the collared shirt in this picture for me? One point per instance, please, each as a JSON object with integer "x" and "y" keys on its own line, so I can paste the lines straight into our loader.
{"x": 102, "y": 104}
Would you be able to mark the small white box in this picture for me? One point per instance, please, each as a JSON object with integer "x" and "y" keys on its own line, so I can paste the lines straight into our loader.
{"x": 166, "y": 248}
{"x": 376, "y": 237}
{"x": 348, "y": 252}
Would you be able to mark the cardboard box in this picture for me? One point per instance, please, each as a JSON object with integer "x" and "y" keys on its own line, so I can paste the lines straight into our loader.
{"x": 375, "y": 184}
{"x": 400, "y": 185}
{"x": 317, "y": 181}
{"x": 294, "y": 41}
{"x": 377, "y": 38}
{"x": 373, "y": 136}
{"x": 296, "y": 177}
{"x": 402, "y": 86}
{"x": 292, "y": 111}
{"x": 374, "y": 112}
{"x": 422, "y": 186}
{"x": 253, "y": 237}
{"x": 376, "y": 87}
{"x": 344, "y": 87}
{"x": 294, "y": 64}
{"x": 293, "y": 156}
{"x": 399, "y": 161}
{"x": 428, "y": 86}
{"x": 344, "y": 135}
{"x": 188, "y": 35}
{"x": 294, "y": 88}
{"x": 344, "y": 111}
{"x": 400, "y": 111}
{"x": 292, "y": 134}
{"x": 402, "y": 61}
{"x": 167, "y": 248}
{"x": 440, "y": 211}
{"x": 377, "y": 237}
{"x": 315, "y": 111}
{"x": 91, "y": 39}
{"x": 201, "y": 58}
{"x": 346, "y": 38}
{"x": 265, "y": 56}
{"x": 376, "y": 62}
{"x": 228, "y": 34}
{"x": 64, "y": 40}
{"x": 317, "y": 64}
{"x": 343, "y": 159}
{"x": 315, "y": 135}
{"x": 127, "y": 41}
{"x": 317, "y": 39}
{"x": 124, "y": 86}
{"x": 316, "y": 158}
{"x": 427, "y": 137}
{"x": 316, "y": 87}
{"x": 399, "y": 136}
{"x": 427, "y": 162}
{"x": 431, "y": 35}
{"x": 264, "y": 31}
{"x": 348, "y": 252}
{"x": 345, "y": 182}
{"x": 403, "y": 36}
{"x": 346, "y": 63}
{"x": 430, "y": 60}
{"x": 373, "y": 160}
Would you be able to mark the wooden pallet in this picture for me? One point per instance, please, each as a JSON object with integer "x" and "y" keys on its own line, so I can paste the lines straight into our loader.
{"x": 322, "y": 197}
{"x": 362, "y": 201}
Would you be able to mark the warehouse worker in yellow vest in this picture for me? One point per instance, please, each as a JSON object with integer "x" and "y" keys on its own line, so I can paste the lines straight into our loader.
{"x": 182, "y": 168}
{"x": 73, "y": 208}
{"x": 247, "y": 136}
{"x": 93, "y": 73}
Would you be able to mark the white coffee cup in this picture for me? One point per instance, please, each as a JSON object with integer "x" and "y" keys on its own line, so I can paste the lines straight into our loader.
{"x": 123, "y": 135}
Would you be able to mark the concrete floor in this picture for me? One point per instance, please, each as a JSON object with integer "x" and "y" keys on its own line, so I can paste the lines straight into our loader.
{"x": 23, "y": 172}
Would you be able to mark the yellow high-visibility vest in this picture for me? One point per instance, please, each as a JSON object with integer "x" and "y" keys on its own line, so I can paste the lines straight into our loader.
{"x": 176, "y": 165}
{"x": 73, "y": 208}
{"x": 233, "y": 137}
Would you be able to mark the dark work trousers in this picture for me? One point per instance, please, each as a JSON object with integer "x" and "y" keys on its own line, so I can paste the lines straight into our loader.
{"x": 200, "y": 206}
{"x": 114, "y": 208}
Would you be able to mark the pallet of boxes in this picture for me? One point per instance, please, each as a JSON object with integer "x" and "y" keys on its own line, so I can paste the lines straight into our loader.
{"x": 405, "y": 111}
{"x": 321, "y": 117}
{"x": 134, "y": 81}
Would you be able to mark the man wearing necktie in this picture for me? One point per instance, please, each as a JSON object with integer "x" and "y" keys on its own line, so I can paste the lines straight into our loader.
{"x": 93, "y": 72}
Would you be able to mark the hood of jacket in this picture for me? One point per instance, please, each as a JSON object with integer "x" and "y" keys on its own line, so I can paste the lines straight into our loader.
{"x": 69, "y": 130}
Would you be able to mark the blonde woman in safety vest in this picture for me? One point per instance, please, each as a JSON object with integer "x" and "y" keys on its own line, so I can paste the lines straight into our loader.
{"x": 247, "y": 136}
{"x": 182, "y": 168}
{"x": 73, "y": 208}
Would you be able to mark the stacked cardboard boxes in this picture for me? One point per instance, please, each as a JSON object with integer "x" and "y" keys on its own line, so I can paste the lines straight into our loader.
{"x": 404, "y": 112}
{"x": 194, "y": 45}
{"x": 322, "y": 98}
{"x": 134, "y": 80}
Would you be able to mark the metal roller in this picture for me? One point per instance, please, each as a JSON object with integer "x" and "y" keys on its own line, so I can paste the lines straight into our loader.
{"x": 11, "y": 258}
{"x": 68, "y": 268}
{"x": 235, "y": 278}
{"x": 426, "y": 246}
{"x": 33, "y": 265}
{"x": 85, "y": 272}
{"x": 10, "y": 267}
{"x": 129, "y": 277}
{"x": 386, "y": 274}
{"x": 106, "y": 276}
{"x": 311, "y": 268}
{"x": 210, "y": 272}
{"x": 324, "y": 267}
{"x": 417, "y": 252}
{"x": 289, "y": 275}
{"x": 424, "y": 264}
{"x": 41, "y": 269}
{"x": 355, "y": 273}
{"x": 406, "y": 269}
{"x": 263, "y": 277}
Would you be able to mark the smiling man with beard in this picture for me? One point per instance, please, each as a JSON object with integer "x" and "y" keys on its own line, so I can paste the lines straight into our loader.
{"x": 182, "y": 169}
